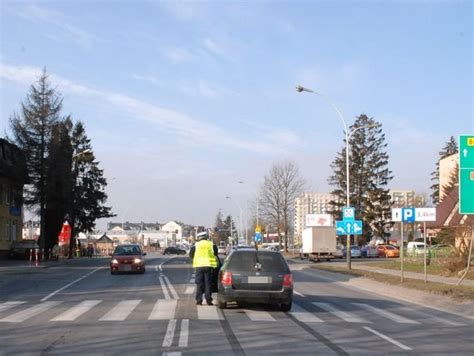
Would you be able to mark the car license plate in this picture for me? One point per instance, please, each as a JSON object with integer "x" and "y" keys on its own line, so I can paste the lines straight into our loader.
{"x": 126, "y": 268}
{"x": 259, "y": 280}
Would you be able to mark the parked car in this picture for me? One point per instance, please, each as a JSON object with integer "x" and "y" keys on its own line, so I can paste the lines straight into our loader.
{"x": 173, "y": 250}
{"x": 127, "y": 258}
{"x": 388, "y": 251}
{"x": 369, "y": 251}
{"x": 355, "y": 251}
{"x": 255, "y": 276}
{"x": 22, "y": 249}
{"x": 416, "y": 248}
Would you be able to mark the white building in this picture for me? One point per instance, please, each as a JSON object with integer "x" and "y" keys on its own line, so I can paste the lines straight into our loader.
{"x": 406, "y": 199}
{"x": 174, "y": 231}
{"x": 310, "y": 203}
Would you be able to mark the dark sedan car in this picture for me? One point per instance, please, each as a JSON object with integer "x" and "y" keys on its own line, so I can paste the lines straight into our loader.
{"x": 127, "y": 258}
{"x": 255, "y": 276}
{"x": 174, "y": 251}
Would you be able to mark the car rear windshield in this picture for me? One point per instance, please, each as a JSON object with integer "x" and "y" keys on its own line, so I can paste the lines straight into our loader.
{"x": 127, "y": 250}
{"x": 246, "y": 261}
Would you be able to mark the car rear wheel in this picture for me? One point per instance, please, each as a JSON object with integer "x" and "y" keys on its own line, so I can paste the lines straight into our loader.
{"x": 112, "y": 272}
{"x": 285, "y": 307}
{"x": 221, "y": 304}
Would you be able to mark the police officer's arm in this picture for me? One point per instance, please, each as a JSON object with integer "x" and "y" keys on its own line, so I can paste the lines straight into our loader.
{"x": 214, "y": 248}
{"x": 191, "y": 252}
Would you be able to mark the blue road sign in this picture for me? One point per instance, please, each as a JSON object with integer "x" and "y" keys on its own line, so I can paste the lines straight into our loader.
{"x": 348, "y": 214}
{"x": 349, "y": 227}
{"x": 258, "y": 236}
{"x": 408, "y": 215}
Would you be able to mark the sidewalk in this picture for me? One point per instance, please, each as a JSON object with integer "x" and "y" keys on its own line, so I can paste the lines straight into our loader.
{"x": 415, "y": 275}
{"x": 14, "y": 263}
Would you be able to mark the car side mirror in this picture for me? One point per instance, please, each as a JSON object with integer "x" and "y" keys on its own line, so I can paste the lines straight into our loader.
{"x": 144, "y": 253}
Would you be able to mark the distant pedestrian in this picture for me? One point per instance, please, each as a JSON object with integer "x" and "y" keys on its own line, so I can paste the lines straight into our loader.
{"x": 204, "y": 257}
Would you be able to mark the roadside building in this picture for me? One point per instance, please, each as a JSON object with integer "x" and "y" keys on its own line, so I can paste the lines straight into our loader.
{"x": 13, "y": 176}
{"x": 104, "y": 245}
{"x": 310, "y": 203}
{"x": 174, "y": 231}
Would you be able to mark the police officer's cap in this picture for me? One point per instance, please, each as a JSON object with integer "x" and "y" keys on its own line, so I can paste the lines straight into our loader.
{"x": 202, "y": 235}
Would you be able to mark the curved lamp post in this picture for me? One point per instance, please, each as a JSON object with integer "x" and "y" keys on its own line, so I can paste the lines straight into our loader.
{"x": 348, "y": 135}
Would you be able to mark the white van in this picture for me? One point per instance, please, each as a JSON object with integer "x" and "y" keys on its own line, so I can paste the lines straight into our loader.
{"x": 416, "y": 248}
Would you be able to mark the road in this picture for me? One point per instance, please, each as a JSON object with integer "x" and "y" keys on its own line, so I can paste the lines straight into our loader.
{"x": 77, "y": 307}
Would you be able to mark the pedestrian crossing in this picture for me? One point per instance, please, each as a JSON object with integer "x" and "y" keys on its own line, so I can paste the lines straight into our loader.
{"x": 167, "y": 309}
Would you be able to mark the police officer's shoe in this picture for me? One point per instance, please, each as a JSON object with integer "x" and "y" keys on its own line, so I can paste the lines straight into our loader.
{"x": 210, "y": 303}
{"x": 199, "y": 303}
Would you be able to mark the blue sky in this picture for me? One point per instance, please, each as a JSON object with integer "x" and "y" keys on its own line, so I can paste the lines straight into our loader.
{"x": 182, "y": 100}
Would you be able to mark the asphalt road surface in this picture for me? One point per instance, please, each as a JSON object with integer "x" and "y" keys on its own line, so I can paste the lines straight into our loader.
{"x": 78, "y": 307}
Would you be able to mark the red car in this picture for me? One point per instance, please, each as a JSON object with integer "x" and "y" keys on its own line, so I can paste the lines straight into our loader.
{"x": 127, "y": 258}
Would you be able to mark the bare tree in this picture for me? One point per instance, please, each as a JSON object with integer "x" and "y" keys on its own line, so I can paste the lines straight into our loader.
{"x": 280, "y": 188}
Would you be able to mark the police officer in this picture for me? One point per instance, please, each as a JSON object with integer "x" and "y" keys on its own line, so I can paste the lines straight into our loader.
{"x": 203, "y": 254}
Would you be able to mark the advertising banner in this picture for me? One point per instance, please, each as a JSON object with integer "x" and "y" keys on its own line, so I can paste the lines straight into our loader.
{"x": 65, "y": 234}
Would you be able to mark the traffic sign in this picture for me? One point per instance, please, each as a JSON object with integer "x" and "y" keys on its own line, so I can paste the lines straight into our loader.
{"x": 258, "y": 237}
{"x": 396, "y": 214}
{"x": 466, "y": 174}
{"x": 258, "y": 229}
{"x": 408, "y": 214}
{"x": 345, "y": 227}
{"x": 425, "y": 214}
{"x": 348, "y": 214}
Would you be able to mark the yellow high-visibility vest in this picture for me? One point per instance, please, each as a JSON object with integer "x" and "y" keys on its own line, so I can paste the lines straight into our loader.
{"x": 204, "y": 255}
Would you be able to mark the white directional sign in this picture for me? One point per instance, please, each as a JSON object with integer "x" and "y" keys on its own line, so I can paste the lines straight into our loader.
{"x": 425, "y": 214}
{"x": 396, "y": 214}
{"x": 318, "y": 220}
{"x": 413, "y": 214}
{"x": 348, "y": 214}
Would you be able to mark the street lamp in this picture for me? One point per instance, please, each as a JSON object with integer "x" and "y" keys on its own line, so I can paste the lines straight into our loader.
{"x": 240, "y": 214}
{"x": 348, "y": 134}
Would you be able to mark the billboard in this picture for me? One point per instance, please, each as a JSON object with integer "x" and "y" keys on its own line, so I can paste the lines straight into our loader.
{"x": 65, "y": 234}
{"x": 318, "y": 220}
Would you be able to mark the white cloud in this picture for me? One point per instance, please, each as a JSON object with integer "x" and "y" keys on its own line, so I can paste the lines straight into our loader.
{"x": 144, "y": 78}
{"x": 63, "y": 28}
{"x": 177, "y": 54}
{"x": 205, "y": 89}
{"x": 182, "y": 125}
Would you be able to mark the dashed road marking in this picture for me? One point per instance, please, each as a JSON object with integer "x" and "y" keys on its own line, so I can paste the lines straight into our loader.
{"x": 121, "y": 311}
{"x": 346, "y": 316}
{"x": 76, "y": 311}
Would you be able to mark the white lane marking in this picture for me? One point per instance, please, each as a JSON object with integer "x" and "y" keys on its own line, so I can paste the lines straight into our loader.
{"x": 300, "y": 294}
{"x": 70, "y": 284}
{"x": 164, "y": 309}
{"x": 171, "y": 288}
{"x": 121, "y": 311}
{"x": 209, "y": 312}
{"x": 303, "y": 315}
{"x": 192, "y": 280}
{"x": 438, "y": 319}
{"x": 255, "y": 315}
{"x": 9, "y": 305}
{"x": 346, "y": 316}
{"x": 174, "y": 353}
{"x": 168, "y": 340}
{"x": 163, "y": 286}
{"x": 76, "y": 311}
{"x": 190, "y": 289}
{"x": 184, "y": 335}
{"x": 162, "y": 263}
{"x": 386, "y": 314}
{"x": 389, "y": 339}
{"x": 30, "y": 312}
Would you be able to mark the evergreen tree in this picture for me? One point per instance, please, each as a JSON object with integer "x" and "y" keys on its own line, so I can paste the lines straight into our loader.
{"x": 369, "y": 177}
{"x": 58, "y": 181}
{"x": 88, "y": 193}
{"x": 450, "y": 148}
{"x": 32, "y": 134}
{"x": 230, "y": 227}
{"x": 219, "y": 228}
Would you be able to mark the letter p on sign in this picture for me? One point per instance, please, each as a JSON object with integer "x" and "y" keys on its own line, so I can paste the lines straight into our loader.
{"x": 408, "y": 215}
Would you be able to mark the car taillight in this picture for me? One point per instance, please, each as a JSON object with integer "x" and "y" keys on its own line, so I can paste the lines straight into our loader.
{"x": 226, "y": 278}
{"x": 287, "y": 280}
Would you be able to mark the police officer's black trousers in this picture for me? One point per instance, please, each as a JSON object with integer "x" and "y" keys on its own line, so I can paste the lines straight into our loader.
{"x": 203, "y": 283}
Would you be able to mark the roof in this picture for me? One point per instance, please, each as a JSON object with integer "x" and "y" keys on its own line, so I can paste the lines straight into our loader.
{"x": 12, "y": 162}
{"x": 105, "y": 238}
{"x": 447, "y": 212}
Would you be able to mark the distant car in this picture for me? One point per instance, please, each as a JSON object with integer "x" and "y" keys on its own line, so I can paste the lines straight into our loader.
{"x": 255, "y": 276}
{"x": 22, "y": 249}
{"x": 339, "y": 252}
{"x": 127, "y": 258}
{"x": 369, "y": 251}
{"x": 172, "y": 250}
{"x": 355, "y": 251}
{"x": 416, "y": 248}
{"x": 388, "y": 251}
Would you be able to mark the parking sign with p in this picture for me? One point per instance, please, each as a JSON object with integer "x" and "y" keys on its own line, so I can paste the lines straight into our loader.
{"x": 408, "y": 214}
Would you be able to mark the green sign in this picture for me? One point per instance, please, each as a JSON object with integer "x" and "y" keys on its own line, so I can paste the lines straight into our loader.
{"x": 466, "y": 174}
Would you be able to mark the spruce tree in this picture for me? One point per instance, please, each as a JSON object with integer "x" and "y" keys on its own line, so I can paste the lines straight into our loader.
{"x": 88, "y": 185}
{"x": 32, "y": 134}
{"x": 369, "y": 177}
{"x": 219, "y": 228}
{"x": 450, "y": 148}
